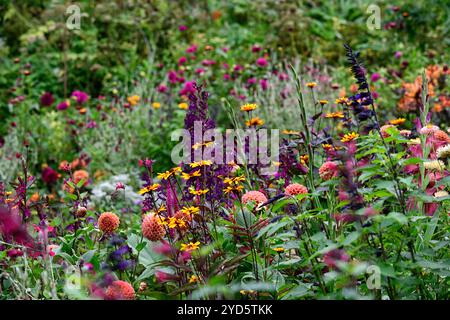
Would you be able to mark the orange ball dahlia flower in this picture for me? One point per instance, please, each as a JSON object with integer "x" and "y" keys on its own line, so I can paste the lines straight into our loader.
{"x": 108, "y": 222}
{"x": 152, "y": 228}
{"x": 120, "y": 290}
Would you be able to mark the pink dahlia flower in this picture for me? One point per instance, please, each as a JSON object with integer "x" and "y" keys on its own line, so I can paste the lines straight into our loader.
{"x": 255, "y": 196}
{"x": 295, "y": 189}
{"x": 328, "y": 170}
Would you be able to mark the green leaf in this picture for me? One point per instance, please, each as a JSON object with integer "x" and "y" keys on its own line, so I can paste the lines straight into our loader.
{"x": 351, "y": 238}
{"x": 147, "y": 255}
{"x": 272, "y": 228}
{"x": 141, "y": 246}
{"x": 71, "y": 196}
{"x": 89, "y": 255}
{"x": 399, "y": 217}
{"x": 245, "y": 219}
{"x": 431, "y": 227}
{"x": 433, "y": 265}
{"x": 412, "y": 161}
{"x": 298, "y": 291}
{"x": 80, "y": 183}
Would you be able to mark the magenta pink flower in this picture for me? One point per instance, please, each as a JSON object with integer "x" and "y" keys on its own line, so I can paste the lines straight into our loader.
{"x": 283, "y": 76}
{"x": 47, "y": 99}
{"x": 375, "y": 77}
{"x": 80, "y": 96}
{"x": 172, "y": 76}
{"x": 162, "y": 88}
{"x": 63, "y": 105}
{"x": 261, "y": 62}
{"x": 187, "y": 88}
{"x": 49, "y": 176}
{"x": 207, "y": 62}
{"x": 12, "y": 229}
{"x": 182, "y": 28}
{"x": 238, "y": 68}
{"x": 191, "y": 49}
{"x": 251, "y": 81}
{"x": 200, "y": 71}
{"x": 256, "y": 48}
{"x": 264, "y": 84}
{"x": 182, "y": 60}
{"x": 120, "y": 185}
{"x": 14, "y": 253}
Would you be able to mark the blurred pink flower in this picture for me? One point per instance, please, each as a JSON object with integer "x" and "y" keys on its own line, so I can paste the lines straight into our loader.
{"x": 200, "y": 71}
{"x": 172, "y": 76}
{"x": 80, "y": 96}
{"x": 182, "y": 60}
{"x": 187, "y": 88}
{"x": 261, "y": 62}
{"x": 256, "y": 48}
{"x": 331, "y": 258}
{"x": 251, "y": 81}
{"x": 162, "y": 88}
{"x": 162, "y": 276}
{"x": 264, "y": 84}
{"x": 47, "y": 99}
{"x": 63, "y": 105}
{"x": 191, "y": 49}
{"x": 207, "y": 62}
{"x": 49, "y": 176}
{"x": 120, "y": 185}
{"x": 375, "y": 77}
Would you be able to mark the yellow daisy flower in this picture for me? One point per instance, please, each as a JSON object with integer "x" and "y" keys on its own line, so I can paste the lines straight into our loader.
{"x": 256, "y": 121}
{"x": 334, "y": 115}
{"x": 349, "y": 137}
{"x": 249, "y": 107}
{"x": 190, "y": 246}
{"x": 183, "y": 105}
{"x": 397, "y": 121}
{"x": 133, "y": 100}
{"x": 148, "y": 189}
{"x": 200, "y": 163}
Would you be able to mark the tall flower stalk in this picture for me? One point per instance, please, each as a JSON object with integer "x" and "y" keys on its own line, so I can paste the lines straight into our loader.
{"x": 359, "y": 73}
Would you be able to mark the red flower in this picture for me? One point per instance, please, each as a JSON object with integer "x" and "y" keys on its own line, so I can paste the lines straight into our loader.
{"x": 49, "y": 176}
